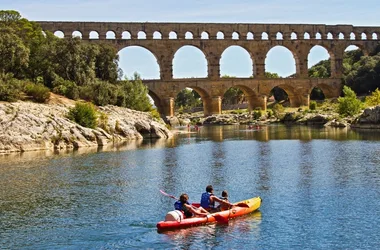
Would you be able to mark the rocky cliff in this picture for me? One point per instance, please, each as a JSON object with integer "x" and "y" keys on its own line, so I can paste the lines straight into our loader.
{"x": 26, "y": 126}
{"x": 370, "y": 119}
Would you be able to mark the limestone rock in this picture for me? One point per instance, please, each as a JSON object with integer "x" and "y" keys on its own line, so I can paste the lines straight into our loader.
{"x": 26, "y": 126}
{"x": 369, "y": 119}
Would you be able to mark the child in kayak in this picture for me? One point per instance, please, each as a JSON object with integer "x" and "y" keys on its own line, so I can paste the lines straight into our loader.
{"x": 224, "y": 197}
{"x": 187, "y": 209}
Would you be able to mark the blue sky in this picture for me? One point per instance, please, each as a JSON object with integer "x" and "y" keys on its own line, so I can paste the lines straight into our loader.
{"x": 188, "y": 61}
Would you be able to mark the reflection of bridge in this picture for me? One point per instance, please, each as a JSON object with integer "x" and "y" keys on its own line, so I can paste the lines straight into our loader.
{"x": 164, "y": 39}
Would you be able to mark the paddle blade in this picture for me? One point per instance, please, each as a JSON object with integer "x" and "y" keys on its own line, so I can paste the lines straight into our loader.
{"x": 220, "y": 219}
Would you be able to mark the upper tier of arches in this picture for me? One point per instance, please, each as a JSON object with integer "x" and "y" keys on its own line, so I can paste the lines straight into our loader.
{"x": 212, "y": 31}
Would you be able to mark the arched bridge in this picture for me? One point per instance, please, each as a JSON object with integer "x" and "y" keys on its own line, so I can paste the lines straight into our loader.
{"x": 164, "y": 39}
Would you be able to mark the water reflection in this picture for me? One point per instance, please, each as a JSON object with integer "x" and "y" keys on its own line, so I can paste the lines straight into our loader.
{"x": 213, "y": 235}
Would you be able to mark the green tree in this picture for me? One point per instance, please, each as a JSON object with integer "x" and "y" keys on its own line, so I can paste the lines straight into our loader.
{"x": 9, "y": 16}
{"x": 233, "y": 96}
{"x": 348, "y": 105}
{"x": 321, "y": 69}
{"x": 106, "y": 64}
{"x": 185, "y": 99}
{"x": 136, "y": 94}
{"x": 14, "y": 55}
{"x": 364, "y": 76}
{"x": 373, "y": 99}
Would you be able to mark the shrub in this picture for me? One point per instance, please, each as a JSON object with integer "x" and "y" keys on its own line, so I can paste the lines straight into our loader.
{"x": 84, "y": 114}
{"x": 348, "y": 105}
{"x": 257, "y": 114}
{"x": 66, "y": 88}
{"x": 313, "y": 105}
{"x": 155, "y": 114}
{"x": 269, "y": 113}
{"x": 38, "y": 92}
{"x": 277, "y": 110}
{"x": 373, "y": 99}
{"x": 9, "y": 89}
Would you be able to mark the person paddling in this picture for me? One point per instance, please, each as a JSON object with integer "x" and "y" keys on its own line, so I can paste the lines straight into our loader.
{"x": 187, "y": 209}
{"x": 208, "y": 200}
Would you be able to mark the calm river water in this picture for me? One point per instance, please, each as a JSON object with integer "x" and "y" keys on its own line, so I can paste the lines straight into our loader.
{"x": 320, "y": 189}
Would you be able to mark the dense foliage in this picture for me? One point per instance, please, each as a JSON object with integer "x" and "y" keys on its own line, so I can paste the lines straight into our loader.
{"x": 33, "y": 62}
{"x": 349, "y": 105}
{"x": 360, "y": 73}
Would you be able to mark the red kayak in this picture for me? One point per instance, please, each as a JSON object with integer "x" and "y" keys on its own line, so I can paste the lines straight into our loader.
{"x": 174, "y": 219}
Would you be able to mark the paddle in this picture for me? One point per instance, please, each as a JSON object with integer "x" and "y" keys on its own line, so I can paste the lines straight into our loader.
{"x": 168, "y": 195}
{"x": 217, "y": 217}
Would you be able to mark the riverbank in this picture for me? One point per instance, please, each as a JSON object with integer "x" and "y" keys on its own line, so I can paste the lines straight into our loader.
{"x": 27, "y": 126}
{"x": 369, "y": 118}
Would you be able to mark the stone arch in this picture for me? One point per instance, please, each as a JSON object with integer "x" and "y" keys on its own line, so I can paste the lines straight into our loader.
{"x": 235, "y": 35}
{"x": 238, "y": 53}
{"x": 251, "y": 98}
{"x": 136, "y": 58}
{"x": 318, "y": 35}
{"x": 264, "y": 36}
{"x": 330, "y": 36}
{"x": 157, "y": 35}
{"x": 205, "y": 35}
{"x": 318, "y": 53}
{"x": 250, "y": 36}
{"x": 363, "y": 36}
{"x": 159, "y": 103}
{"x": 94, "y": 35}
{"x": 219, "y": 35}
{"x": 77, "y": 33}
{"x": 352, "y": 36}
{"x": 279, "y": 36}
{"x": 110, "y": 34}
{"x": 317, "y": 94}
{"x": 341, "y": 36}
{"x": 126, "y": 35}
{"x": 328, "y": 90}
{"x": 59, "y": 33}
{"x": 183, "y": 61}
{"x": 306, "y": 35}
{"x": 173, "y": 35}
{"x": 293, "y": 36}
{"x": 286, "y": 54}
{"x": 294, "y": 97}
{"x": 374, "y": 36}
{"x": 141, "y": 35}
{"x": 189, "y": 35}
{"x": 205, "y": 97}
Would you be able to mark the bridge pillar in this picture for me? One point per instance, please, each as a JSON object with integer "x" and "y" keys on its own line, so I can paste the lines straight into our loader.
{"x": 260, "y": 70}
{"x": 212, "y": 105}
{"x": 166, "y": 68}
{"x": 337, "y": 67}
{"x": 303, "y": 71}
{"x": 168, "y": 106}
{"x": 299, "y": 100}
{"x": 214, "y": 71}
{"x": 255, "y": 101}
{"x": 305, "y": 100}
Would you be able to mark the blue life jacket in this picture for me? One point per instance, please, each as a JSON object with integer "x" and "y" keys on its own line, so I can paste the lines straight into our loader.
{"x": 179, "y": 206}
{"x": 205, "y": 201}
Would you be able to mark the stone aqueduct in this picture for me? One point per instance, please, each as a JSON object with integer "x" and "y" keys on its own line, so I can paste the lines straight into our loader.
{"x": 256, "y": 39}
